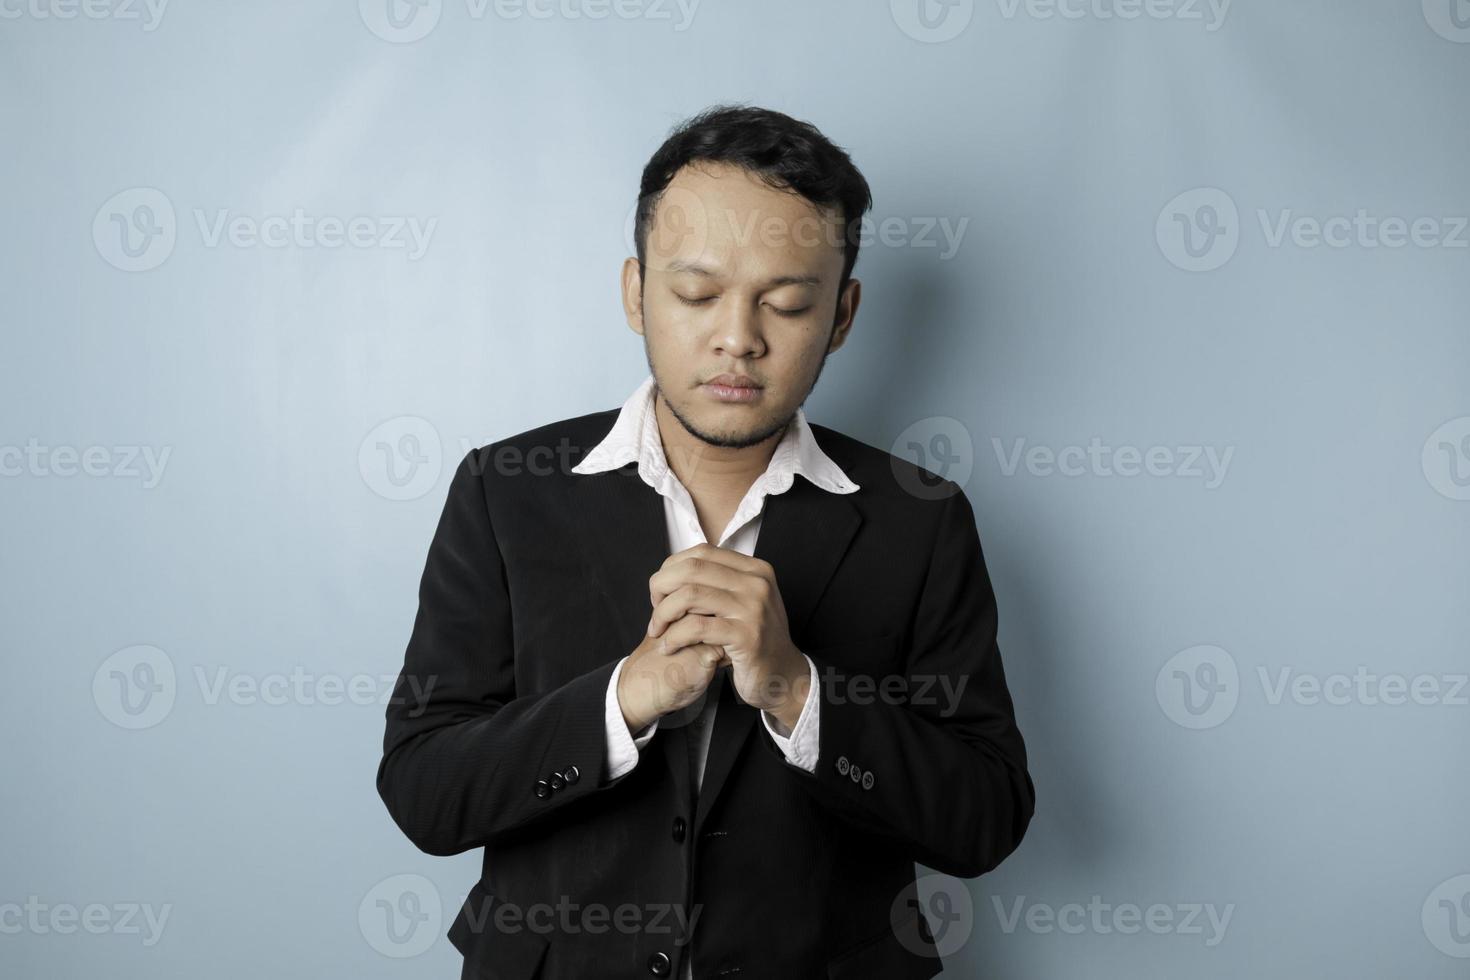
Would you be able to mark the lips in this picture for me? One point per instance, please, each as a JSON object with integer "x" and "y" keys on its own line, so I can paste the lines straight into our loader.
{"x": 733, "y": 381}
{"x": 733, "y": 389}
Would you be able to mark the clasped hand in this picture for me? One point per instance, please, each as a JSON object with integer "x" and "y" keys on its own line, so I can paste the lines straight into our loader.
{"x": 711, "y": 607}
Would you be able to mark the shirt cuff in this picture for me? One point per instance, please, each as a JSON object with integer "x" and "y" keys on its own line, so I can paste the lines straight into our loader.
{"x": 801, "y": 747}
{"x": 622, "y": 746}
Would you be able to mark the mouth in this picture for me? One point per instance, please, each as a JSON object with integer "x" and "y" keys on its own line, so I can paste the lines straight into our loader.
{"x": 733, "y": 388}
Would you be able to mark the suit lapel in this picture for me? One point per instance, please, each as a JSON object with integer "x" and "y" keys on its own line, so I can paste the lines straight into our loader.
{"x": 621, "y": 520}
{"x": 627, "y": 538}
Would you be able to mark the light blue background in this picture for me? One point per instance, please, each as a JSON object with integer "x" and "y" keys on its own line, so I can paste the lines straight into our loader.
{"x": 273, "y": 544}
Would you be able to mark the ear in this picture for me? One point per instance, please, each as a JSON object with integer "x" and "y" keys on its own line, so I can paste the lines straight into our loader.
{"x": 633, "y": 295}
{"x": 847, "y": 305}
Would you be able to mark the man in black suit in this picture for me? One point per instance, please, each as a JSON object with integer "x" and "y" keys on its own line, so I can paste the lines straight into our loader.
{"x": 703, "y": 679}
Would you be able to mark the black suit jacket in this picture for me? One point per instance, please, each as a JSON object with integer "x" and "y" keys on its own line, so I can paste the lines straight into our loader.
{"x": 536, "y": 584}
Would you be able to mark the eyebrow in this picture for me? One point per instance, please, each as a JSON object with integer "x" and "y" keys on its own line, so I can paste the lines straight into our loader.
{"x": 699, "y": 270}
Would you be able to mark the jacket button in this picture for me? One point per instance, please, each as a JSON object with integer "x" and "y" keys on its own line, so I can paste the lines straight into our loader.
{"x": 868, "y": 779}
{"x": 855, "y": 774}
{"x": 842, "y": 764}
{"x": 557, "y": 782}
{"x": 658, "y": 965}
{"x": 679, "y": 827}
{"x": 543, "y": 789}
{"x": 571, "y": 774}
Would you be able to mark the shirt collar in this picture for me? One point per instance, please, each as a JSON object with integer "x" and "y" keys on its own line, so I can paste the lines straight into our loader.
{"x": 634, "y": 438}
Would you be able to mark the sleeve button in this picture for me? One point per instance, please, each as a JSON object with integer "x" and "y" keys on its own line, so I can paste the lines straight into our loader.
{"x": 543, "y": 789}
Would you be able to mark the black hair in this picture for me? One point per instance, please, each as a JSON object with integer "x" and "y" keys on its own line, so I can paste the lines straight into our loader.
{"x": 786, "y": 153}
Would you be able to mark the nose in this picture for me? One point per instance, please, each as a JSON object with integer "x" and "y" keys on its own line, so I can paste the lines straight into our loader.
{"x": 738, "y": 334}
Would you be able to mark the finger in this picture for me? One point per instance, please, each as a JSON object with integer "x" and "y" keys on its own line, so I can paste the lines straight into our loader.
{"x": 741, "y": 562}
{"x": 706, "y": 656}
{"x": 693, "y": 599}
{"x": 710, "y": 656}
{"x": 690, "y": 670}
{"x": 669, "y": 643}
{"x": 694, "y": 570}
{"x": 694, "y": 628}
{"x": 729, "y": 556}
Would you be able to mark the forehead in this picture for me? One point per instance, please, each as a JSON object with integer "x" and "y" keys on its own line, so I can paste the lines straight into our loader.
{"x": 721, "y": 221}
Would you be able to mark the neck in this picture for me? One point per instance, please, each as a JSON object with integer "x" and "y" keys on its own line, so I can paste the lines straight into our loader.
{"x": 716, "y": 471}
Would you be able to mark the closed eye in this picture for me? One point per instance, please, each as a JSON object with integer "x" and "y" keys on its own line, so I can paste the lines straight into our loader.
{"x": 701, "y": 301}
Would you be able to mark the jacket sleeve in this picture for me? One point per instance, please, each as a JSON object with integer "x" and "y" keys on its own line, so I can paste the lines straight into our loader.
{"x": 939, "y": 770}
{"x": 464, "y": 757}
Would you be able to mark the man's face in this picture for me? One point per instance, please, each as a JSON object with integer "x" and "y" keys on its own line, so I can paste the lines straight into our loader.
{"x": 741, "y": 279}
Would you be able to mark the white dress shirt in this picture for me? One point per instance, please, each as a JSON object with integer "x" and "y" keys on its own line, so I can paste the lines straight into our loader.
{"x": 635, "y": 436}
